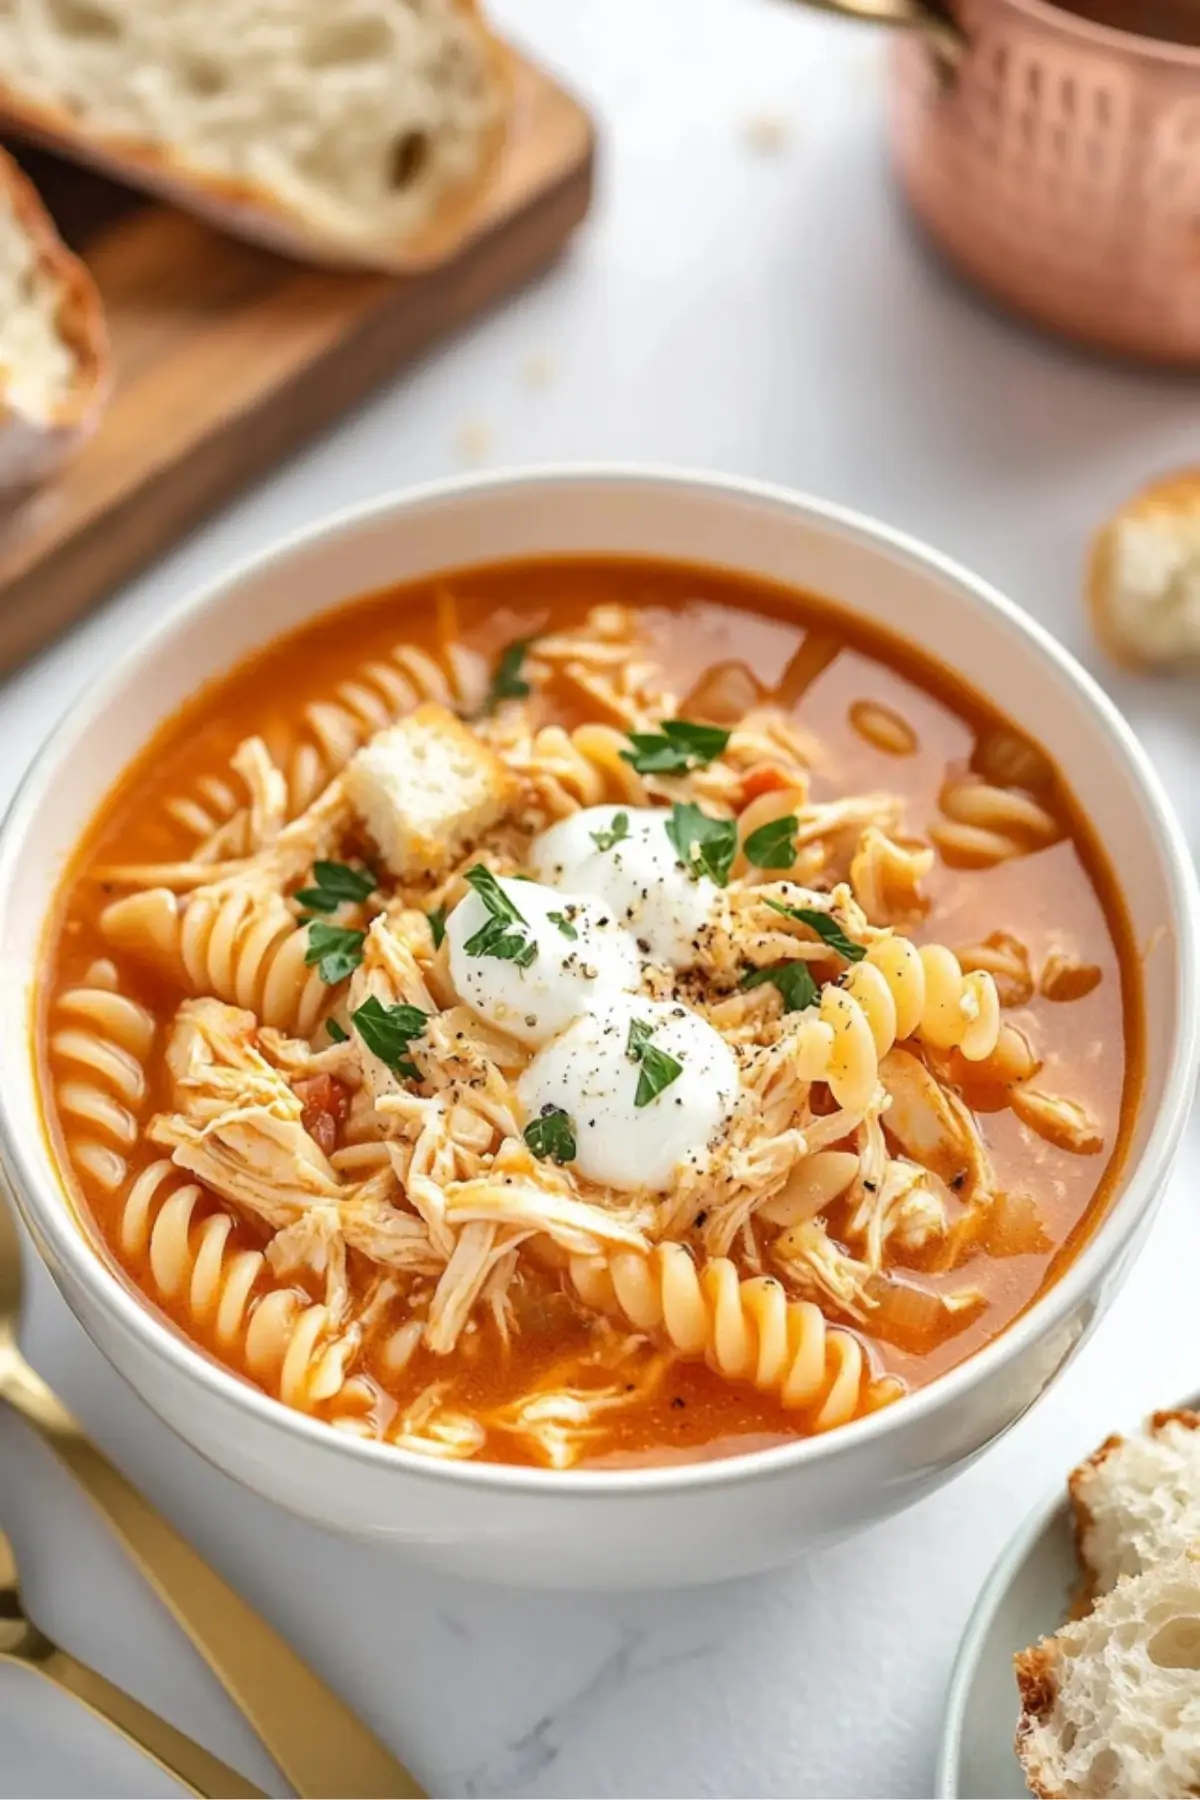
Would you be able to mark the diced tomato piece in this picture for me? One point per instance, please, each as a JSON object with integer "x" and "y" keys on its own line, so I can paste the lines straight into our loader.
{"x": 326, "y": 1103}
{"x": 766, "y": 780}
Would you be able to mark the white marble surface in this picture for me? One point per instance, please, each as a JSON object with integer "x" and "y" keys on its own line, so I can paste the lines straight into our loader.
{"x": 765, "y": 313}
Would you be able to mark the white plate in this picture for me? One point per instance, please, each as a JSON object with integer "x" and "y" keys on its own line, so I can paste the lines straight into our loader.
{"x": 1027, "y": 1596}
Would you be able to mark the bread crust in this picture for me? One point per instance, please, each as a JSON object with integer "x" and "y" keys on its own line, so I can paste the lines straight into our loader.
{"x": 1177, "y": 492}
{"x": 1037, "y": 1679}
{"x": 30, "y": 448}
{"x": 247, "y": 208}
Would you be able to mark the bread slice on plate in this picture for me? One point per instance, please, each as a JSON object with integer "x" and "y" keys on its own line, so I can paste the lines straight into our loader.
{"x": 1137, "y": 1500}
{"x": 55, "y": 368}
{"x": 1144, "y": 578}
{"x": 339, "y": 131}
{"x": 1110, "y": 1706}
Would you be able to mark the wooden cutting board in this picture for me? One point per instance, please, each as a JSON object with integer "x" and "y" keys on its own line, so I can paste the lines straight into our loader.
{"x": 229, "y": 358}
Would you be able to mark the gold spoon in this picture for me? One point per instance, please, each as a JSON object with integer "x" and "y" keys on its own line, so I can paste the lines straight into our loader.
{"x": 314, "y": 1738}
{"x": 22, "y": 1642}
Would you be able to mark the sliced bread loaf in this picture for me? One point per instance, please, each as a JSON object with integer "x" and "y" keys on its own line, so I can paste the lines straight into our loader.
{"x": 54, "y": 358}
{"x": 1110, "y": 1706}
{"x": 1137, "y": 1500}
{"x": 336, "y": 130}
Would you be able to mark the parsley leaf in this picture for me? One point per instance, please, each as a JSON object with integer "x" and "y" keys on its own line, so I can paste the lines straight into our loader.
{"x": 564, "y": 924}
{"x": 679, "y": 745}
{"x": 551, "y": 1135}
{"x": 619, "y": 829}
{"x": 706, "y": 846}
{"x": 826, "y": 928}
{"x": 336, "y": 951}
{"x": 337, "y": 1032}
{"x": 773, "y": 845}
{"x": 437, "y": 925}
{"x": 497, "y": 938}
{"x": 387, "y": 1031}
{"x": 492, "y": 894}
{"x": 793, "y": 979}
{"x": 658, "y": 1070}
{"x": 507, "y": 682}
{"x": 334, "y": 883}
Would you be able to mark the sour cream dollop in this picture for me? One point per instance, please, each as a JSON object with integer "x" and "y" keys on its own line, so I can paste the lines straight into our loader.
{"x": 582, "y": 958}
{"x": 639, "y": 875}
{"x": 591, "y": 1073}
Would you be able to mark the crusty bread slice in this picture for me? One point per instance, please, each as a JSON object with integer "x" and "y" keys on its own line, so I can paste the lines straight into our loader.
{"x": 1144, "y": 576}
{"x": 1137, "y": 1500}
{"x": 1110, "y": 1706}
{"x": 339, "y": 131}
{"x": 55, "y": 367}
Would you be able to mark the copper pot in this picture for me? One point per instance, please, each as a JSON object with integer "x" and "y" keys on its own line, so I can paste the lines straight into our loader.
{"x": 1056, "y": 160}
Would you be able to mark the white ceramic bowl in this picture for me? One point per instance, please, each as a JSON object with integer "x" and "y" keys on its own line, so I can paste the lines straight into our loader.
{"x": 657, "y": 1526}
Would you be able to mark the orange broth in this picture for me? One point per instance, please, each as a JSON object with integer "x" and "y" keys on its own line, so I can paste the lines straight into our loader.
{"x": 696, "y": 617}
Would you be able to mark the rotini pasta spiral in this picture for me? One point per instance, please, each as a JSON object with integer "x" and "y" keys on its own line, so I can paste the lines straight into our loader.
{"x": 288, "y": 1343}
{"x": 228, "y": 940}
{"x": 250, "y": 952}
{"x": 983, "y": 824}
{"x": 897, "y": 991}
{"x": 746, "y": 1330}
{"x": 584, "y": 767}
{"x": 99, "y": 1046}
{"x": 210, "y": 805}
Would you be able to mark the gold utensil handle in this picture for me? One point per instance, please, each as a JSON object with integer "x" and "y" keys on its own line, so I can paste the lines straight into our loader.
{"x": 180, "y": 1758}
{"x": 921, "y": 16}
{"x": 320, "y": 1746}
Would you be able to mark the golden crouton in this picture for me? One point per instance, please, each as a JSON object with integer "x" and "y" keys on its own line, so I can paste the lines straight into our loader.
{"x": 425, "y": 790}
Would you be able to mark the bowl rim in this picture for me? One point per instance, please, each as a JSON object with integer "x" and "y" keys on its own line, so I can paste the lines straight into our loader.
{"x": 40, "y": 1191}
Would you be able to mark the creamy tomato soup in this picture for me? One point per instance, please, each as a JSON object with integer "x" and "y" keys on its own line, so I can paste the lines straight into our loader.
{"x": 589, "y": 1011}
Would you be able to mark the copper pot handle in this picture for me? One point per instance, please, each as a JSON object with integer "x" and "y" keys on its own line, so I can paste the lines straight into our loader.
{"x": 943, "y": 36}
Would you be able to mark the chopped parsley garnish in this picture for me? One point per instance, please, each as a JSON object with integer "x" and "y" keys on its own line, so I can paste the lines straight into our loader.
{"x": 706, "y": 846}
{"x": 336, "y": 950}
{"x": 507, "y": 682}
{"x": 387, "y": 1031}
{"x": 826, "y": 928}
{"x": 795, "y": 983}
{"x": 619, "y": 829}
{"x": 337, "y": 1032}
{"x": 657, "y": 1071}
{"x": 492, "y": 894}
{"x": 773, "y": 845}
{"x": 551, "y": 1136}
{"x": 678, "y": 745}
{"x": 437, "y": 925}
{"x": 564, "y": 924}
{"x": 495, "y": 939}
{"x": 334, "y": 883}
{"x": 498, "y": 938}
